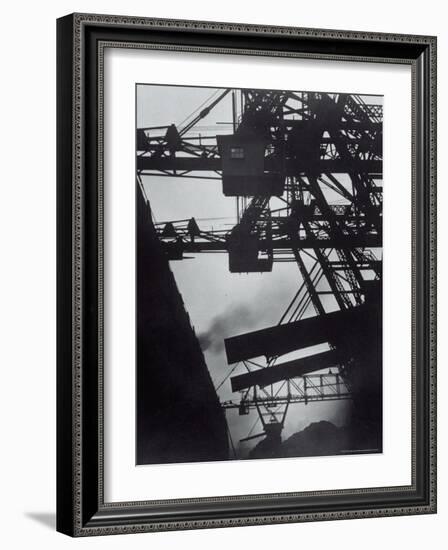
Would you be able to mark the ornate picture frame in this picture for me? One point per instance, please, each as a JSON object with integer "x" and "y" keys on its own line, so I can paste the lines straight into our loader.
{"x": 81, "y": 506}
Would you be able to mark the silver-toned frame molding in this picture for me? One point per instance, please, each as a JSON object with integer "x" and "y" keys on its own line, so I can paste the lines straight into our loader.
{"x": 72, "y": 510}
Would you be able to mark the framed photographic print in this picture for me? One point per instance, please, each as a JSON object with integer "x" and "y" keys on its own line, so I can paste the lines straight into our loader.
{"x": 246, "y": 274}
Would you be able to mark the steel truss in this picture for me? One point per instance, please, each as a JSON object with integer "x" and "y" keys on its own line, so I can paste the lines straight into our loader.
{"x": 327, "y": 151}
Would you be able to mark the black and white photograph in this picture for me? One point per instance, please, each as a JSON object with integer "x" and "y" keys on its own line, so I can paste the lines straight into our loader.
{"x": 246, "y": 275}
{"x": 258, "y": 273}
{"x": 221, "y": 288}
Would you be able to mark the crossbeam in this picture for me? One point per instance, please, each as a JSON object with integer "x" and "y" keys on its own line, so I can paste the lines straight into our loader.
{"x": 282, "y": 339}
{"x": 285, "y": 371}
{"x": 307, "y": 389}
{"x": 292, "y": 167}
{"x": 355, "y": 241}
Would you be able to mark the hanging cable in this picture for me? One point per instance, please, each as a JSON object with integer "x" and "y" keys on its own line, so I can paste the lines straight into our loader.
{"x": 227, "y": 376}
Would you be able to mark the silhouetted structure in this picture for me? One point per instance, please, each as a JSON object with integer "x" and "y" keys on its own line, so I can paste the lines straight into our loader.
{"x": 179, "y": 418}
{"x": 322, "y": 154}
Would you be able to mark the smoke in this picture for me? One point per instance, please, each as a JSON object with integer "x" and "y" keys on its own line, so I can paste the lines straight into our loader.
{"x": 235, "y": 319}
{"x": 261, "y": 304}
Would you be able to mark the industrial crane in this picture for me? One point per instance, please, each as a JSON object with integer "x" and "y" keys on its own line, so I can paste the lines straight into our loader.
{"x": 305, "y": 169}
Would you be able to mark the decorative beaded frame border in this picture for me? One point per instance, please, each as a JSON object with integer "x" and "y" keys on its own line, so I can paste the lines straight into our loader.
{"x": 78, "y": 525}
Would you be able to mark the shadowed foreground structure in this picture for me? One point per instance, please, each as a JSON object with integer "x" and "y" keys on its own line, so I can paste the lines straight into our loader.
{"x": 179, "y": 418}
{"x": 318, "y": 439}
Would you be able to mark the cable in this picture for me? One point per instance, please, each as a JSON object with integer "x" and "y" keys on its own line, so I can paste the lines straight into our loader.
{"x": 198, "y": 108}
{"x": 231, "y": 441}
{"x": 227, "y": 376}
{"x": 253, "y": 426}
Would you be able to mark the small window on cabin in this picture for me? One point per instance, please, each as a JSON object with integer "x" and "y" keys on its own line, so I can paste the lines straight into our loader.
{"x": 236, "y": 152}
